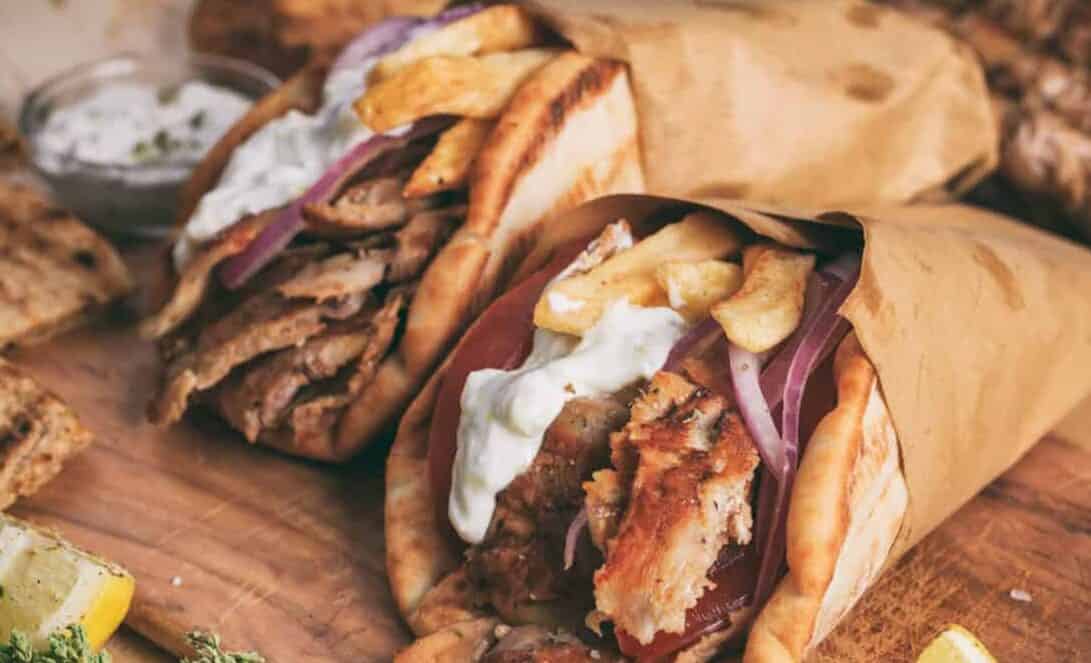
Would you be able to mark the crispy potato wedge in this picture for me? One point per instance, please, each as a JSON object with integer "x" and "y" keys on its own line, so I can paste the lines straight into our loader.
{"x": 693, "y": 287}
{"x": 574, "y": 304}
{"x": 448, "y": 166}
{"x": 478, "y": 87}
{"x": 769, "y": 305}
{"x": 499, "y": 28}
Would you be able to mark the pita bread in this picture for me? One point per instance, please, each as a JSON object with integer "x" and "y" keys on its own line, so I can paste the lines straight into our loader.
{"x": 55, "y": 272}
{"x": 38, "y": 433}
{"x": 846, "y": 509}
{"x": 569, "y": 134}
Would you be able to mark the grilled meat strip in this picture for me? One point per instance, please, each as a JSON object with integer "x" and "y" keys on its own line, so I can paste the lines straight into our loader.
{"x": 689, "y": 464}
{"x": 263, "y": 323}
{"x": 521, "y": 559}
{"x": 283, "y": 355}
{"x": 311, "y": 423}
{"x": 370, "y": 206}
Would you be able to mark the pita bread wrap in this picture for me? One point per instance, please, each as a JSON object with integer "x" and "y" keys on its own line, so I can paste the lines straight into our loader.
{"x": 970, "y": 334}
{"x": 792, "y": 119}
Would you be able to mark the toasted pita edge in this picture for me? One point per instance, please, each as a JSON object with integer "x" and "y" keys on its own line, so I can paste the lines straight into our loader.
{"x": 457, "y": 643}
{"x": 418, "y": 556}
{"x": 302, "y": 92}
{"x": 846, "y": 509}
{"x": 569, "y": 135}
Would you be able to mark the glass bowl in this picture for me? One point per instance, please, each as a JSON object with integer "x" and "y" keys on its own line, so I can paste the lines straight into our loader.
{"x": 125, "y": 198}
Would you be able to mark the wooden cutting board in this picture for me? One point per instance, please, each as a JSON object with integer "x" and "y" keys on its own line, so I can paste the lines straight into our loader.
{"x": 286, "y": 556}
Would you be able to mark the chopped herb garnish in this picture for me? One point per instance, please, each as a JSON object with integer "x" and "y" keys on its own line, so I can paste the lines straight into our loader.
{"x": 198, "y": 120}
{"x": 68, "y": 645}
{"x": 168, "y": 93}
{"x": 208, "y": 649}
{"x": 142, "y": 151}
{"x": 161, "y": 139}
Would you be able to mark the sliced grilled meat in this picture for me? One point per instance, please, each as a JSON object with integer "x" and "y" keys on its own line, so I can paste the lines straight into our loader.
{"x": 689, "y": 496}
{"x": 264, "y": 323}
{"x": 420, "y": 239}
{"x": 337, "y": 276}
{"x": 521, "y": 559}
{"x": 372, "y": 205}
{"x": 310, "y": 420}
{"x": 258, "y": 397}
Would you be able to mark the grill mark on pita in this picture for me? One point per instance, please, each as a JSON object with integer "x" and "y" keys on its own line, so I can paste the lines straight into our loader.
{"x": 580, "y": 92}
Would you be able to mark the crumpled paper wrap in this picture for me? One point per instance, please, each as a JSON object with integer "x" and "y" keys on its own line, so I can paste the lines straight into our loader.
{"x": 833, "y": 103}
{"x": 979, "y": 328}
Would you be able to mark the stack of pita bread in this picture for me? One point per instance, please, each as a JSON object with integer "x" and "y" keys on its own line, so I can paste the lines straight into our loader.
{"x": 55, "y": 273}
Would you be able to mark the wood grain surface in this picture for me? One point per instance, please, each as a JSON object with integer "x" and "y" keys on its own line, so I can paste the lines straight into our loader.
{"x": 287, "y": 556}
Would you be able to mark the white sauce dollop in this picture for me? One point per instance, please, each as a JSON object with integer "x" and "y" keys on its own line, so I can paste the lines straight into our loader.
{"x": 134, "y": 124}
{"x": 281, "y": 160}
{"x": 506, "y": 413}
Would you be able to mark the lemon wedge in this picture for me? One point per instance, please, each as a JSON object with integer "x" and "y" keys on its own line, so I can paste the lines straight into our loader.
{"x": 955, "y": 645}
{"x": 47, "y": 584}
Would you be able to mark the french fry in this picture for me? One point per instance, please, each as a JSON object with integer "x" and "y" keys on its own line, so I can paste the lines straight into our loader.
{"x": 448, "y": 166}
{"x": 478, "y": 87}
{"x": 574, "y": 304}
{"x": 499, "y": 28}
{"x": 693, "y": 287}
{"x": 769, "y": 305}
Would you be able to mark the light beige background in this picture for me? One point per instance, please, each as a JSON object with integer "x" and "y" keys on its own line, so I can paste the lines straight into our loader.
{"x": 39, "y": 38}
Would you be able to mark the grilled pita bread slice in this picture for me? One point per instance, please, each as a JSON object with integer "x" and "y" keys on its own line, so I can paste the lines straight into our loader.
{"x": 846, "y": 509}
{"x": 38, "y": 432}
{"x": 55, "y": 272}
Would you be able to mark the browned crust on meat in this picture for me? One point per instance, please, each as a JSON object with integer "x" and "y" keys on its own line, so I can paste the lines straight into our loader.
{"x": 302, "y": 92}
{"x": 38, "y": 433}
{"x": 532, "y": 120}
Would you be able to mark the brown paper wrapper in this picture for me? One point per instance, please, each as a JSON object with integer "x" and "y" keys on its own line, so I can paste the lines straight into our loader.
{"x": 979, "y": 328}
{"x": 833, "y": 103}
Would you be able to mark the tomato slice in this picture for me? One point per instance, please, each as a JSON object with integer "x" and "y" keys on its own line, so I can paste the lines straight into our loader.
{"x": 734, "y": 573}
{"x": 500, "y": 338}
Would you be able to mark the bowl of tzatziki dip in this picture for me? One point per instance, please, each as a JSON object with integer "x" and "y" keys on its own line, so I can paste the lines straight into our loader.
{"x": 117, "y": 138}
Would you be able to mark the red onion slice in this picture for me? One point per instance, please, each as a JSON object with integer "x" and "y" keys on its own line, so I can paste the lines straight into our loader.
{"x": 754, "y": 409}
{"x": 391, "y": 34}
{"x": 693, "y": 339}
{"x": 817, "y": 338}
{"x": 775, "y": 372}
{"x": 382, "y": 38}
{"x": 278, "y": 234}
{"x": 572, "y": 537}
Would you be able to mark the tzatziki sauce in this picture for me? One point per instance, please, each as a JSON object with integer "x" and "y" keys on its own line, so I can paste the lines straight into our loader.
{"x": 137, "y": 124}
{"x": 280, "y": 161}
{"x": 505, "y": 414}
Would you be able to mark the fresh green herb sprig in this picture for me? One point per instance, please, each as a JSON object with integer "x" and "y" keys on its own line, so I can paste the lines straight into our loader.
{"x": 68, "y": 645}
{"x": 208, "y": 649}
